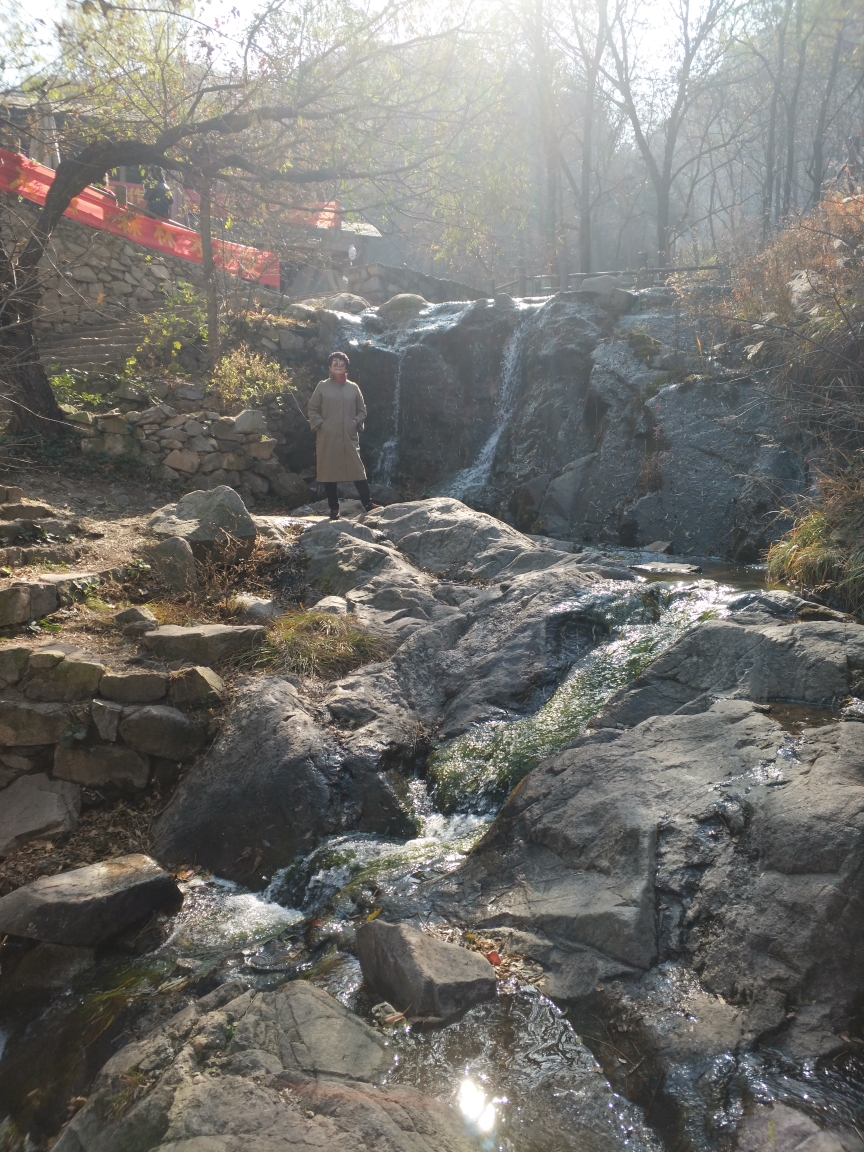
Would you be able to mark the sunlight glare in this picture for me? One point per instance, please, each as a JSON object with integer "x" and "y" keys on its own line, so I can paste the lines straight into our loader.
{"x": 473, "y": 1106}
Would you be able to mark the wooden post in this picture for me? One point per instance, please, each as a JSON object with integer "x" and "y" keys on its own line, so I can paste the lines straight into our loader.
{"x": 213, "y": 341}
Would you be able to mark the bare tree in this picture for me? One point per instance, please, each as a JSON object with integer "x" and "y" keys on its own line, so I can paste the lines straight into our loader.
{"x": 658, "y": 120}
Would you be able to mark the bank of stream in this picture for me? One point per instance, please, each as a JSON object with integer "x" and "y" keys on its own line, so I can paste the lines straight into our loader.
{"x": 523, "y": 1078}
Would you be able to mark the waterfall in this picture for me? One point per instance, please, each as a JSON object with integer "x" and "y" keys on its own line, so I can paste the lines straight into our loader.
{"x": 389, "y": 450}
{"x": 476, "y": 475}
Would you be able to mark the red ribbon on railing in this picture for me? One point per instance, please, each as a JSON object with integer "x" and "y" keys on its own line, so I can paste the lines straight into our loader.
{"x": 95, "y": 209}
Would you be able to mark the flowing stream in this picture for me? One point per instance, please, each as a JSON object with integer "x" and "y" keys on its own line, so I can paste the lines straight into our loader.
{"x": 515, "y": 1068}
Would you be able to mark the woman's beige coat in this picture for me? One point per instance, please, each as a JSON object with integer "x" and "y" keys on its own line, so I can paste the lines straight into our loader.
{"x": 336, "y": 415}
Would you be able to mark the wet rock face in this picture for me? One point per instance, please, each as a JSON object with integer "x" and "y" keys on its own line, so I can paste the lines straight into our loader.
{"x": 279, "y": 777}
{"x": 279, "y": 1070}
{"x": 270, "y": 788}
{"x": 691, "y": 860}
{"x": 598, "y": 443}
{"x": 699, "y": 464}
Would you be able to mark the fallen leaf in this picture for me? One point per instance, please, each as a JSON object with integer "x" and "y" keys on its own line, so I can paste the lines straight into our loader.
{"x": 372, "y": 915}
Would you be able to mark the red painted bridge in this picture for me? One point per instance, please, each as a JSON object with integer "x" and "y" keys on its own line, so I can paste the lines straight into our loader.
{"x": 96, "y": 209}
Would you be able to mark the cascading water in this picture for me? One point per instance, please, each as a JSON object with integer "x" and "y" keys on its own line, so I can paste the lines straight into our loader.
{"x": 390, "y": 449}
{"x": 475, "y": 477}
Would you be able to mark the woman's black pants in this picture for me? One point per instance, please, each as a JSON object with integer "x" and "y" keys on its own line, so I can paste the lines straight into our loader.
{"x": 331, "y": 490}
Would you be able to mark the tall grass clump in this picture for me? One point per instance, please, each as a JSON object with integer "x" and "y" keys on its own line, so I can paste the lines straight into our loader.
{"x": 823, "y": 553}
{"x": 317, "y": 644}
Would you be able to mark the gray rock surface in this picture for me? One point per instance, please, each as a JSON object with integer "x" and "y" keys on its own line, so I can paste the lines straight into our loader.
{"x": 196, "y": 688}
{"x": 36, "y": 806}
{"x": 421, "y": 975}
{"x": 22, "y": 722}
{"x": 403, "y": 307}
{"x": 271, "y": 786}
{"x": 701, "y": 462}
{"x": 467, "y": 654}
{"x": 49, "y": 967}
{"x": 206, "y": 644}
{"x": 87, "y": 906}
{"x": 274, "y": 1071}
{"x": 779, "y": 1128}
{"x": 55, "y": 676}
{"x": 255, "y": 609}
{"x": 206, "y": 519}
{"x": 106, "y": 717}
{"x": 134, "y": 687}
{"x": 692, "y": 859}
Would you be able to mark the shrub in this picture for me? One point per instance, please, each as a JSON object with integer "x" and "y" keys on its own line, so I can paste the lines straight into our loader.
{"x": 181, "y": 322}
{"x": 243, "y": 377}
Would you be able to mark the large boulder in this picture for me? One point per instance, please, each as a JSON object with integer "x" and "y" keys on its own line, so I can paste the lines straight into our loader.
{"x": 206, "y": 520}
{"x": 272, "y": 786}
{"x": 206, "y": 644}
{"x": 282, "y": 1071}
{"x": 36, "y": 806}
{"x": 173, "y": 563}
{"x": 88, "y": 906}
{"x": 417, "y": 972}
{"x": 403, "y": 307}
{"x": 447, "y": 537}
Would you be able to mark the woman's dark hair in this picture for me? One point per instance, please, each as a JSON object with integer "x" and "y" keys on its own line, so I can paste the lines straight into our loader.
{"x": 338, "y": 356}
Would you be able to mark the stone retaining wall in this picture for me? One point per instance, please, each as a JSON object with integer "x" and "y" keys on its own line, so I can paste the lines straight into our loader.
{"x": 378, "y": 282}
{"x": 67, "y": 723}
{"x": 91, "y": 277}
{"x": 203, "y": 448}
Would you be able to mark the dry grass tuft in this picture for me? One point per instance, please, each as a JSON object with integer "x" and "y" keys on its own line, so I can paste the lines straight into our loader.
{"x": 316, "y": 644}
{"x": 823, "y": 554}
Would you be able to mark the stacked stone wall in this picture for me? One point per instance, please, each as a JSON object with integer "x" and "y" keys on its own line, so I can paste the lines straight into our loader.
{"x": 201, "y": 449}
{"x": 378, "y": 282}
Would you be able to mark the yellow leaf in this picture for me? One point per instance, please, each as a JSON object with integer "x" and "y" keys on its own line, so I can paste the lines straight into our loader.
{"x": 372, "y": 915}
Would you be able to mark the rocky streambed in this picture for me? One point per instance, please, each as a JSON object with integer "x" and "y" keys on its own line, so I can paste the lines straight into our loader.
{"x": 641, "y": 801}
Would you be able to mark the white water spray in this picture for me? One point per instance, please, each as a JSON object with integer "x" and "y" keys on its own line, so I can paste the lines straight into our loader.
{"x": 476, "y": 475}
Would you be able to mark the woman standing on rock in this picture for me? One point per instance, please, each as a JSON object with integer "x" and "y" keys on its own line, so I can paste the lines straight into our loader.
{"x": 336, "y": 415}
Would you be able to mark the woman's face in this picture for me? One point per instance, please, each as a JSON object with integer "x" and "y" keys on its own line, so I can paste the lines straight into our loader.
{"x": 338, "y": 369}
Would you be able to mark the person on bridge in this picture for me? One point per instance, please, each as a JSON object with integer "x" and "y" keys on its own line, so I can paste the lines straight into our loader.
{"x": 158, "y": 196}
{"x": 336, "y": 414}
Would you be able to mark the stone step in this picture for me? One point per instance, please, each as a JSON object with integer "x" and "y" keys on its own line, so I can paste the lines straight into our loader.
{"x": 23, "y": 600}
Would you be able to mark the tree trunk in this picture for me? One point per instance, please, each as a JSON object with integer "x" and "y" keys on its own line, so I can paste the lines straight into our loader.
{"x": 213, "y": 340}
{"x": 34, "y": 405}
{"x": 592, "y": 70}
{"x": 817, "y": 171}
{"x": 24, "y": 380}
{"x": 792, "y": 116}
{"x": 771, "y": 143}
